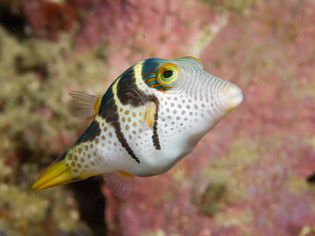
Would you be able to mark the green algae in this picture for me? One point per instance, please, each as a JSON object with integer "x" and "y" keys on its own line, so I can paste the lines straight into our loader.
{"x": 222, "y": 187}
{"x": 240, "y": 219}
{"x": 297, "y": 185}
{"x": 207, "y": 35}
{"x": 33, "y": 97}
{"x": 5, "y": 170}
{"x": 235, "y": 6}
{"x": 158, "y": 232}
{"x": 241, "y": 154}
{"x": 307, "y": 231}
{"x": 24, "y": 212}
{"x": 178, "y": 175}
{"x": 36, "y": 126}
{"x": 213, "y": 199}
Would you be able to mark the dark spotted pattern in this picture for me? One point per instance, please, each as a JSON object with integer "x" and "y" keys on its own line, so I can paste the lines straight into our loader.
{"x": 109, "y": 112}
{"x": 128, "y": 93}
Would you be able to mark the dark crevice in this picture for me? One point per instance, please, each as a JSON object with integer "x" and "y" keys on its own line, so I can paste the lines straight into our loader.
{"x": 311, "y": 179}
{"x": 41, "y": 69}
{"x": 13, "y": 23}
{"x": 91, "y": 204}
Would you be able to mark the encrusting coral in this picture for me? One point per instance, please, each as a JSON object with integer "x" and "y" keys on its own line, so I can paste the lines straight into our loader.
{"x": 35, "y": 126}
{"x": 248, "y": 177}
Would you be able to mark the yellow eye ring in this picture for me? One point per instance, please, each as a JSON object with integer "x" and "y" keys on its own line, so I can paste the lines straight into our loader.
{"x": 167, "y": 74}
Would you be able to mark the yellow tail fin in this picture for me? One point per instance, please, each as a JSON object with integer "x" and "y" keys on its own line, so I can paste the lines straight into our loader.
{"x": 58, "y": 173}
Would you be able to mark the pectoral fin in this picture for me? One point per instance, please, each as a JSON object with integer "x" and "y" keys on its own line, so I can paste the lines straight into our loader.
{"x": 84, "y": 105}
{"x": 150, "y": 113}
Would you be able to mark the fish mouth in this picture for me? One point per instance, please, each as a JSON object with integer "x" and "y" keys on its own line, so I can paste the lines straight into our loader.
{"x": 233, "y": 97}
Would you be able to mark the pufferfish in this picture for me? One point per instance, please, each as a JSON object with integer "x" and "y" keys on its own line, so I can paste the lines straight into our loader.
{"x": 150, "y": 117}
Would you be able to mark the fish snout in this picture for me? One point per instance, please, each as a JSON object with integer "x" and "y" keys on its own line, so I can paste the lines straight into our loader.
{"x": 233, "y": 97}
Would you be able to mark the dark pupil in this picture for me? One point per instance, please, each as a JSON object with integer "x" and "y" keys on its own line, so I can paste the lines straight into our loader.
{"x": 167, "y": 73}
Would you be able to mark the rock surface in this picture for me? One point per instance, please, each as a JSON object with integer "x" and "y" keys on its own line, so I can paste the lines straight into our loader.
{"x": 246, "y": 177}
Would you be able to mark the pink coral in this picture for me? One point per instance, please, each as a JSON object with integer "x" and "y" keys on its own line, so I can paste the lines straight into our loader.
{"x": 134, "y": 29}
{"x": 48, "y": 18}
{"x": 263, "y": 149}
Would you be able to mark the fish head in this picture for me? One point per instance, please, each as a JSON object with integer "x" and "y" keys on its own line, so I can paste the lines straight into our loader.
{"x": 192, "y": 101}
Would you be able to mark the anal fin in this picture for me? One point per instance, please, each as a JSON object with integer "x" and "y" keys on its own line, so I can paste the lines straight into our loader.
{"x": 120, "y": 183}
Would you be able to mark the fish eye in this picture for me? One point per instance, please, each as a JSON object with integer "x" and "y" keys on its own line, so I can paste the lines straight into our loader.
{"x": 167, "y": 74}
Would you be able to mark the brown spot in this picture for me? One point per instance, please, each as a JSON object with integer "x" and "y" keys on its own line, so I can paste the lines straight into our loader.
{"x": 76, "y": 158}
{"x": 127, "y": 95}
{"x": 70, "y": 157}
{"x": 79, "y": 150}
{"x": 110, "y": 134}
{"x": 73, "y": 164}
{"x": 129, "y": 120}
{"x": 127, "y": 127}
{"x": 96, "y": 141}
{"x": 126, "y": 112}
{"x": 103, "y": 137}
{"x": 134, "y": 114}
{"x": 134, "y": 124}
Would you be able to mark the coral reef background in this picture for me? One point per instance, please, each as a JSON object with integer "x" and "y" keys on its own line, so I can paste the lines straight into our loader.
{"x": 252, "y": 175}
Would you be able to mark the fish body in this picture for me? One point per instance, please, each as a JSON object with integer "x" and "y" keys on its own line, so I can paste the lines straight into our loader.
{"x": 149, "y": 118}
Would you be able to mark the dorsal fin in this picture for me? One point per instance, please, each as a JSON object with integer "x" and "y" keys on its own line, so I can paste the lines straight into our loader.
{"x": 84, "y": 105}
